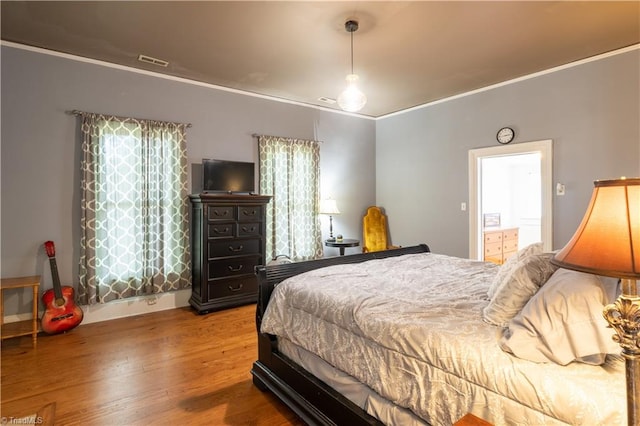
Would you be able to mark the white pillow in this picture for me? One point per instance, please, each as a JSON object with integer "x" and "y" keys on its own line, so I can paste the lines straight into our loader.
{"x": 528, "y": 275}
{"x": 506, "y": 269}
{"x": 563, "y": 322}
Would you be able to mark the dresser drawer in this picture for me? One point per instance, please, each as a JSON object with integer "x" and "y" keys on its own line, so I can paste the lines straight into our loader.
{"x": 220, "y": 213}
{"x": 220, "y": 230}
{"x": 232, "y": 266}
{"x": 493, "y": 249}
{"x": 510, "y": 234}
{"x": 492, "y": 237}
{"x": 236, "y": 247}
{"x": 509, "y": 246}
{"x": 233, "y": 287}
{"x": 507, "y": 255}
{"x": 250, "y": 213}
{"x": 249, "y": 229}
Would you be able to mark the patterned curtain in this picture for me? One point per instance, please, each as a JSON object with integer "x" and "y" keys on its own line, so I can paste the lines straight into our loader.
{"x": 290, "y": 172}
{"x": 134, "y": 219}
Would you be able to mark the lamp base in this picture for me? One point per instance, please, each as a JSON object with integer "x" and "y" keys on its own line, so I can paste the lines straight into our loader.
{"x": 331, "y": 239}
{"x": 623, "y": 318}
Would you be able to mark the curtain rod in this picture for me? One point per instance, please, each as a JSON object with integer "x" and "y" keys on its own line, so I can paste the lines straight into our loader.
{"x": 257, "y": 135}
{"x": 78, "y": 112}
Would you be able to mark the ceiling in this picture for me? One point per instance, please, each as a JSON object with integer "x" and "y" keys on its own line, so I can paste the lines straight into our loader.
{"x": 406, "y": 53}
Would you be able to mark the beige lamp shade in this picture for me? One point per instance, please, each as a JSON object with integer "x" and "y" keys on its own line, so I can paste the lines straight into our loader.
{"x": 607, "y": 241}
{"x": 329, "y": 206}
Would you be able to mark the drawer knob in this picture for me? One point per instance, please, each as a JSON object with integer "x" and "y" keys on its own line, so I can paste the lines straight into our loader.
{"x": 218, "y": 213}
{"x": 239, "y": 248}
{"x": 232, "y": 288}
{"x": 232, "y": 269}
{"x": 252, "y": 229}
{"x": 249, "y": 213}
{"x": 221, "y": 231}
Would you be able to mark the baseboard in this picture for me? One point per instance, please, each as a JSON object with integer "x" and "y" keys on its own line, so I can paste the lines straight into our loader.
{"x": 124, "y": 308}
{"x": 136, "y": 306}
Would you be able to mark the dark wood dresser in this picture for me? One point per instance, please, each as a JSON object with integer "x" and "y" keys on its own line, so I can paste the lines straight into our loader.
{"x": 227, "y": 242}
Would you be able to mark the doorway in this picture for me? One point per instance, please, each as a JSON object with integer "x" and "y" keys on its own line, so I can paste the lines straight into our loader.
{"x": 510, "y": 190}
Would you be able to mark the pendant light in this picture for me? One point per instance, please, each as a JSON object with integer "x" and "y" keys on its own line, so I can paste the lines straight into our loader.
{"x": 351, "y": 99}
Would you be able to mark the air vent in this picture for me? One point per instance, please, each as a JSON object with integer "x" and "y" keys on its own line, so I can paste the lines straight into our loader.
{"x": 153, "y": 61}
{"x": 327, "y": 100}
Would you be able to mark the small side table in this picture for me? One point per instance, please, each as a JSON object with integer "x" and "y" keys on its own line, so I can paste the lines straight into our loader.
{"x": 20, "y": 328}
{"x": 342, "y": 244}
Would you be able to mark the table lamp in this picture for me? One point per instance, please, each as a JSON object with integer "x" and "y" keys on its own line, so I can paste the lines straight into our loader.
{"x": 329, "y": 207}
{"x": 607, "y": 242}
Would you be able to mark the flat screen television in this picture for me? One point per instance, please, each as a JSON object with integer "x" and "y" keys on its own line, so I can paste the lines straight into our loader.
{"x": 228, "y": 176}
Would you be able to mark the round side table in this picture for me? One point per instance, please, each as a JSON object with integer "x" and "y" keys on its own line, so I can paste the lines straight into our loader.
{"x": 346, "y": 242}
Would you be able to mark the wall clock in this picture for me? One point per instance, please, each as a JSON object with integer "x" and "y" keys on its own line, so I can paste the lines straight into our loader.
{"x": 505, "y": 135}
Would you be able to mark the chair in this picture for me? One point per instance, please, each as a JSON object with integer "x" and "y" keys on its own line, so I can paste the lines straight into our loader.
{"x": 375, "y": 236}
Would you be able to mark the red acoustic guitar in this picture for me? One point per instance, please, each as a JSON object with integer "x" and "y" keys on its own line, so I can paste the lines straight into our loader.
{"x": 61, "y": 312}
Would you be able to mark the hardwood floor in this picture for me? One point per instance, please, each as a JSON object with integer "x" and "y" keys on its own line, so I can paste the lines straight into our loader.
{"x": 171, "y": 367}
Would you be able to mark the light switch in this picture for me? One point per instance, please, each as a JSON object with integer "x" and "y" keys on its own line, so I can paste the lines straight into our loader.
{"x": 463, "y": 207}
{"x": 559, "y": 189}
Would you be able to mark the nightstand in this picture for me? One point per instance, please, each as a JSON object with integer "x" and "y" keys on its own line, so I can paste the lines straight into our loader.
{"x": 20, "y": 328}
{"x": 342, "y": 244}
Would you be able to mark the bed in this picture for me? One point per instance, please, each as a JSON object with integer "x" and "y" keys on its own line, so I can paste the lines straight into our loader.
{"x": 410, "y": 337}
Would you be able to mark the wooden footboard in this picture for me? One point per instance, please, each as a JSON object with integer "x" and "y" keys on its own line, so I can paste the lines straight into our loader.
{"x": 314, "y": 401}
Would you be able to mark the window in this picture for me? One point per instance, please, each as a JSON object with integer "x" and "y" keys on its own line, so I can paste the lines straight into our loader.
{"x": 290, "y": 172}
{"x": 134, "y": 215}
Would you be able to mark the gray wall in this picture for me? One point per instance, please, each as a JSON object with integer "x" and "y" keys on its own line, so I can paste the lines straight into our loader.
{"x": 414, "y": 164}
{"x": 590, "y": 111}
{"x": 40, "y": 149}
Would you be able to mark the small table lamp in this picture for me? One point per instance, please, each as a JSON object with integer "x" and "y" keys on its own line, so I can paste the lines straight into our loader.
{"x": 607, "y": 242}
{"x": 329, "y": 207}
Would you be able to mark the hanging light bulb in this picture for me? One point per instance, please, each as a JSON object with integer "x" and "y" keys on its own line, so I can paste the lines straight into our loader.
{"x": 352, "y": 99}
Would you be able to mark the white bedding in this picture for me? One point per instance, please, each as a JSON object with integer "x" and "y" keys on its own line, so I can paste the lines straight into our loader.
{"x": 410, "y": 328}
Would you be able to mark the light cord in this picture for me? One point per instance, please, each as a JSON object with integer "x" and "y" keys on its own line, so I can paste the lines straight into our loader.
{"x": 351, "y": 52}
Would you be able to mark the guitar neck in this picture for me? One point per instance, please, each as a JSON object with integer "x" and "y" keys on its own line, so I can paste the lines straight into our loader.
{"x": 57, "y": 287}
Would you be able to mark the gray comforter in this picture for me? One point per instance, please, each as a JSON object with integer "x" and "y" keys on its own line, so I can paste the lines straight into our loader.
{"x": 411, "y": 329}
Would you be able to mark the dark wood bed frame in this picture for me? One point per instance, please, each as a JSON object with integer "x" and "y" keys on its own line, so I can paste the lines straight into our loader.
{"x": 312, "y": 400}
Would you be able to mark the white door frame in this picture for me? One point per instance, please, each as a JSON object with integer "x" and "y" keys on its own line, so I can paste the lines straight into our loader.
{"x": 545, "y": 148}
